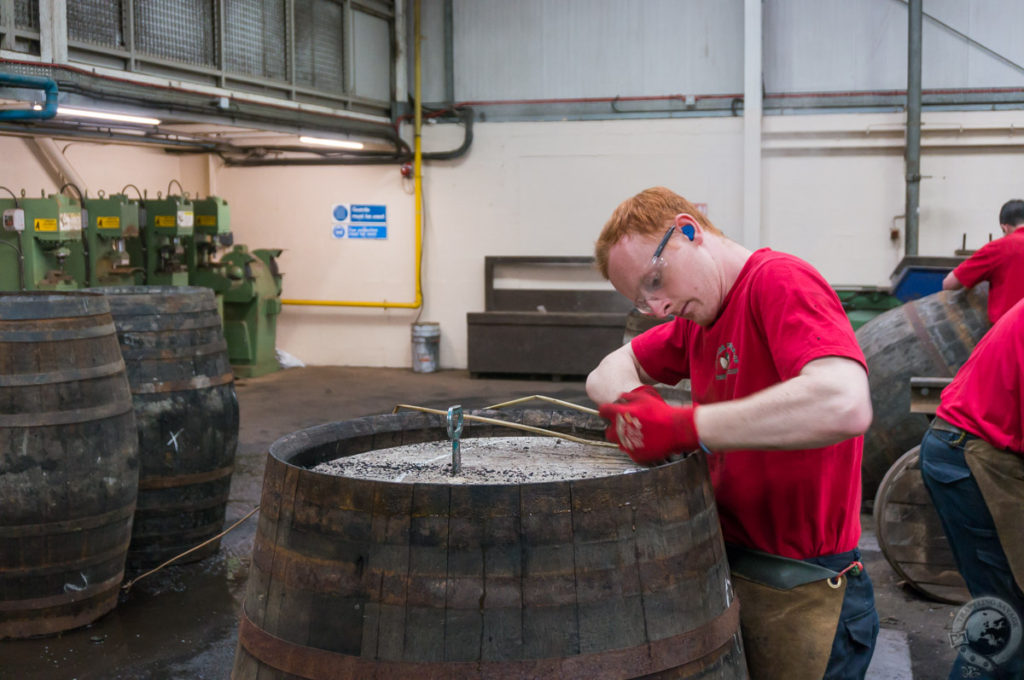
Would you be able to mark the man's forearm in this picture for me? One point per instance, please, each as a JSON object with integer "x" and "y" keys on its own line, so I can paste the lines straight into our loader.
{"x": 822, "y": 406}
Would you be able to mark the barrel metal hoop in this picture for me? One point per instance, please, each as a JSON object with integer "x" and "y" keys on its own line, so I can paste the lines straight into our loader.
{"x": 312, "y": 663}
{"x": 926, "y": 340}
{"x": 58, "y": 334}
{"x": 141, "y": 353}
{"x": 196, "y": 383}
{"x": 140, "y": 540}
{"x": 147, "y": 483}
{"x": 69, "y": 525}
{"x": 78, "y": 415}
{"x": 73, "y": 565}
{"x": 167, "y": 321}
{"x": 178, "y": 509}
{"x": 65, "y": 376}
{"x": 89, "y": 591}
{"x": 958, "y": 321}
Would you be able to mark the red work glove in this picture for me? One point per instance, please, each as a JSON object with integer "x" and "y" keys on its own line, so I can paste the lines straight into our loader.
{"x": 647, "y": 428}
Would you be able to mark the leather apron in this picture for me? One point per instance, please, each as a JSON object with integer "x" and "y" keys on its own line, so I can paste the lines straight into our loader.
{"x": 789, "y": 614}
{"x": 1000, "y": 476}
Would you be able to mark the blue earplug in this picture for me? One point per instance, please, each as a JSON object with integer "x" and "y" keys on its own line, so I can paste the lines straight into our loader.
{"x": 687, "y": 230}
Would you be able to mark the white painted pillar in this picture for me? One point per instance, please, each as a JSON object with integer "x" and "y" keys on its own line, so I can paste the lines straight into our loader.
{"x": 752, "y": 112}
{"x": 53, "y": 31}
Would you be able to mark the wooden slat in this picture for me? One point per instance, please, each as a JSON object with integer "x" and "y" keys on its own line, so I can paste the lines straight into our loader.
{"x": 910, "y": 533}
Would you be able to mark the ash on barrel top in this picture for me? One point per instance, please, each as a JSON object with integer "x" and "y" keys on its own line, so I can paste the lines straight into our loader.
{"x": 485, "y": 460}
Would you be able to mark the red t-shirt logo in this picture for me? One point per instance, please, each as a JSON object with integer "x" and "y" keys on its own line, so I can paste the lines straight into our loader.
{"x": 727, "y": 361}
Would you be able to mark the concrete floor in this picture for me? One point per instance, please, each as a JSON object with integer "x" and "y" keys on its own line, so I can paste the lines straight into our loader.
{"x": 180, "y": 624}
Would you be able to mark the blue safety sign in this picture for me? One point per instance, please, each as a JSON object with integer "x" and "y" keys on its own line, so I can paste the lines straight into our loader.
{"x": 368, "y": 213}
{"x": 368, "y": 231}
{"x": 359, "y": 220}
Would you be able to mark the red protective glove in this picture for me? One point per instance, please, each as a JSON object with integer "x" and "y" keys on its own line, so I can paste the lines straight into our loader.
{"x": 647, "y": 428}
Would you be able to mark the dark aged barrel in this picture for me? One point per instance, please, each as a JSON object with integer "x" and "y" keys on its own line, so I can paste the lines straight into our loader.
{"x": 68, "y": 462}
{"x": 637, "y": 322}
{"x": 910, "y": 533}
{"x": 186, "y": 413}
{"x": 930, "y": 337}
{"x": 616, "y": 576}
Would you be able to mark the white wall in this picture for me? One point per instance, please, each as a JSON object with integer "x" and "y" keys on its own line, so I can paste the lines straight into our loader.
{"x": 103, "y": 167}
{"x": 833, "y": 191}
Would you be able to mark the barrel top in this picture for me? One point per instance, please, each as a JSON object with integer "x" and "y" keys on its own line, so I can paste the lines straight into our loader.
{"x": 375, "y": 435}
{"x": 40, "y": 304}
{"x": 158, "y": 299}
{"x": 484, "y": 460}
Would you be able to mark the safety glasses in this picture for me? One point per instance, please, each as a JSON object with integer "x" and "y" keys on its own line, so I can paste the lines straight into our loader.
{"x": 653, "y": 280}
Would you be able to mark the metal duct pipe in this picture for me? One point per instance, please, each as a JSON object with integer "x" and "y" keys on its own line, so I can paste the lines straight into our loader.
{"x": 47, "y": 85}
{"x": 913, "y": 150}
{"x": 66, "y": 173}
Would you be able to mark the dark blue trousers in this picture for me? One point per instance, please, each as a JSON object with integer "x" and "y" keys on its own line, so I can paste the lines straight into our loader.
{"x": 972, "y": 537}
{"x": 858, "y": 621}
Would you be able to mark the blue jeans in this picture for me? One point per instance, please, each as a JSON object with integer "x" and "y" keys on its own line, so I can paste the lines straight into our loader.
{"x": 854, "y": 642}
{"x": 972, "y": 536}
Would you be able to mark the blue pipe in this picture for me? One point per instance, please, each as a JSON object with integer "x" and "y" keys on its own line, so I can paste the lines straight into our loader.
{"x": 46, "y": 84}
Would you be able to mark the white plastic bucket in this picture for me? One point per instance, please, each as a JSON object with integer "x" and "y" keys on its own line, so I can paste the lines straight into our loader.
{"x": 426, "y": 344}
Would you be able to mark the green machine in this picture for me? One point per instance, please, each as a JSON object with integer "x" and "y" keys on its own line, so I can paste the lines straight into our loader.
{"x": 251, "y": 305}
{"x": 212, "y": 230}
{"x": 864, "y": 303}
{"x": 37, "y": 241}
{"x": 108, "y": 223}
{"x": 159, "y": 252}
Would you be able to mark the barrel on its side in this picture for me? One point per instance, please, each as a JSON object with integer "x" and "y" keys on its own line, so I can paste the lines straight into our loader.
{"x": 910, "y": 533}
{"x": 68, "y": 462}
{"x": 621, "y": 576}
{"x": 930, "y": 337}
{"x": 186, "y": 413}
{"x": 637, "y": 322}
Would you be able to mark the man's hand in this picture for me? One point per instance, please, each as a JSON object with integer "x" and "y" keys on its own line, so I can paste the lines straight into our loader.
{"x": 647, "y": 428}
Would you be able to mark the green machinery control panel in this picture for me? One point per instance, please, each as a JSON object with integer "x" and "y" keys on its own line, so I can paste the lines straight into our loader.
{"x": 212, "y": 231}
{"x": 159, "y": 252}
{"x": 101, "y": 258}
{"x": 37, "y": 239}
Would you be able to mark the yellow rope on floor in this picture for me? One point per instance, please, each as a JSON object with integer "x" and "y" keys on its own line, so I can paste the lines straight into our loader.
{"x": 127, "y": 586}
{"x": 514, "y": 426}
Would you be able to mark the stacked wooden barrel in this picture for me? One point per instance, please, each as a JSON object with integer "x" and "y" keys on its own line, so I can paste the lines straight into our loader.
{"x": 186, "y": 413}
{"x": 68, "y": 462}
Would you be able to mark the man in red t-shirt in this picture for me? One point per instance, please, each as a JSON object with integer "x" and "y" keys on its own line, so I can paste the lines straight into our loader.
{"x": 972, "y": 461}
{"x": 1000, "y": 262}
{"x": 780, "y": 397}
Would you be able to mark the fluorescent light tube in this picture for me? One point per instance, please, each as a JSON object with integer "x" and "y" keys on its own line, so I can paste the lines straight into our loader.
{"x": 339, "y": 143}
{"x": 103, "y": 115}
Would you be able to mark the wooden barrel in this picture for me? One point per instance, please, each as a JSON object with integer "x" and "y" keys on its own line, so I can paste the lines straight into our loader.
{"x": 929, "y": 337}
{"x": 619, "y": 576}
{"x": 910, "y": 533}
{"x": 637, "y": 322}
{"x": 68, "y": 462}
{"x": 186, "y": 413}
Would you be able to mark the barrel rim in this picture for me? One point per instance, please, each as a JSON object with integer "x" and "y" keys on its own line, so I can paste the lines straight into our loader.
{"x": 51, "y": 304}
{"x": 878, "y": 515}
{"x": 158, "y": 300}
{"x": 290, "y": 449}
